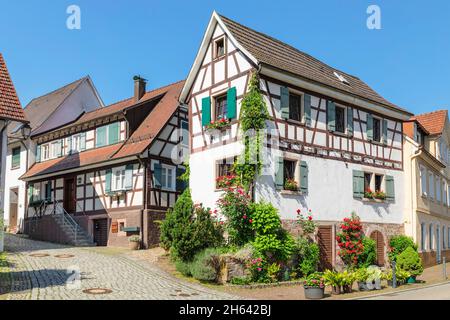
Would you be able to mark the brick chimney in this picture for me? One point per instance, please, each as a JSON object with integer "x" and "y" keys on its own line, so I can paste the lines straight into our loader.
{"x": 139, "y": 87}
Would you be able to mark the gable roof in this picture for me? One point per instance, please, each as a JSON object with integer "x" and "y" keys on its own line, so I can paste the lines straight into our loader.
{"x": 10, "y": 107}
{"x": 136, "y": 144}
{"x": 433, "y": 122}
{"x": 266, "y": 50}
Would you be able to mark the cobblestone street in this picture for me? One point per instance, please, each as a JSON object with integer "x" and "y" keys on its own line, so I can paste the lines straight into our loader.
{"x": 40, "y": 271}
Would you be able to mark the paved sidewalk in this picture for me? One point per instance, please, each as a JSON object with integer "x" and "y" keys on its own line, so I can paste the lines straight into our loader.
{"x": 434, "y": 292}
{"x": 44, "y": 276}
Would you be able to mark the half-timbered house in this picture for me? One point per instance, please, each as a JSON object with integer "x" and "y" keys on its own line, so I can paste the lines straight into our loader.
{"x": 111, "y": 173}
{"x": 331, "y": 135}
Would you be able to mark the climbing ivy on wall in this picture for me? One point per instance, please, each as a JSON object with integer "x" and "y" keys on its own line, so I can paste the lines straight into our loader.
{"x": 253, "y": 118}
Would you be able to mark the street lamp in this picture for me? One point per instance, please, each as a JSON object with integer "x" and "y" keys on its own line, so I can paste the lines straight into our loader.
{"x": 25, "y": 131}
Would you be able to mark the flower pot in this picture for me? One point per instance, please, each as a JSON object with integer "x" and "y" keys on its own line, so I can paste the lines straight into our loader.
{"x": 362, "y": 286}
{"x": 314, "y": 292}
{"x": 411, "y": 279}
{"x": 347, "y": 288}
{"x": 134, "y": 245}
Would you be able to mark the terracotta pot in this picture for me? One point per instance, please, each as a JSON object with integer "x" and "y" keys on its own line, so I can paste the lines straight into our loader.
{"x": 134, "y": 245}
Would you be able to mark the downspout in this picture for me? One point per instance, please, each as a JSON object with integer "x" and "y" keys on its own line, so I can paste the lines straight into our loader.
{"x": 2, "y": 174}
{"x": 144, "y": 197}
{"x": 413, "y": 209}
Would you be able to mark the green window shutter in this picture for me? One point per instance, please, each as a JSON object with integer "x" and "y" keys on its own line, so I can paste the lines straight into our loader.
{"x": 304, "y": 177}
{"x": 307, "y": 109}
{"x": 390, "y": 188}
{"x": 69, "y": 145}
{"x": 59, "y": 147}
{"x": 83, "y": 141}
{"x": 30, "y": 193}
{"x": 157, "y": 175}
{"x": 231, "y": 103}
{"x": 181, "y": 184}
{"x": 331, "y": 115}
{"x": 38, "y": 153}
{"x": 385, "y": 131}
{"x": 15, "y": 159}
{"x": 358, "y": 184}
{"x": 108, "y": 176}
{"x": 206, "y": 111}
{"x": 284, "y": 103}
{"x": 369, "y": 127}
{"x": 100, "y": 134}
{"x": 48, "y": 191}
{"x": 113, "y": 133}
{"x": 279, "y": 174}
{"x": 350, "y": 121}
{"x": 129, "y": 177}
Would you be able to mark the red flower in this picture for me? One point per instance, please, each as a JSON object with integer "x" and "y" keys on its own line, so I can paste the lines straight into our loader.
{"x": 298, "y": 211}
{"x": 310, "y": 218}
{"x": 251, "y": 221}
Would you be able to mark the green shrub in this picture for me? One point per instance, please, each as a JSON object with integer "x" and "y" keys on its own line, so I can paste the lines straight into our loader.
{"x": 265, "y": 218}
{"x": 183, "y": 267}
{"x": 240, "y": 281}
{"x": 275, "y": 247}
{"x": 368, "y": 256}
{"x": 398, "y": 244}
{"x": 308, "y": 256}
{"x": 206, "y": 265}
{"x": 409, "y": 260}
{"x": 189, "y": 229}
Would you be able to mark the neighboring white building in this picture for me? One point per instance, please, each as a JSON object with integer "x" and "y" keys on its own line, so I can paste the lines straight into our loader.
{"x": 45, "y": 113}
{"x": 11, "y": 112}
{"x": 337, "y": 136}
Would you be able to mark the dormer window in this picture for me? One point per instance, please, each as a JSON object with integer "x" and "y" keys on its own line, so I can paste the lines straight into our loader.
{"x": 219, "y": 48}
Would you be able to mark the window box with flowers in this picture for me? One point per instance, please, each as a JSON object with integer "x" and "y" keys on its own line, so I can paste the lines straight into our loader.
{"x": 220, "y": 124}
{"x": 291, "y": 185}
{"x": 377, "y": 196}
{"x": 226, "y": 181}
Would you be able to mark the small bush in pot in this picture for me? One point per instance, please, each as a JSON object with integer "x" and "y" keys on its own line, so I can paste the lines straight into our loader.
{"x": 409, "y": 260}
{"x": 314, "y": 286}
{"x": 134, "y": 241}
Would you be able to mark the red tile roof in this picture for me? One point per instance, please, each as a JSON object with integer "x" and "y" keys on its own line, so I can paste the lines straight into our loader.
{"x": 433, "y": 122}
{"x": 139, "y": 141}
{"x": 10, "y": 107}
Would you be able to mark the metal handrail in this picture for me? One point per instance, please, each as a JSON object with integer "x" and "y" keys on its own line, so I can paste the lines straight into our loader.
{"x": 67, "y": 219}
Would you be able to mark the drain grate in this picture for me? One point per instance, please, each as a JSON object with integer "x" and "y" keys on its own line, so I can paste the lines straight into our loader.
{"x": 39, "y": 255}
{"x": 97, "y": 291}
{"x": 64, "y": 256}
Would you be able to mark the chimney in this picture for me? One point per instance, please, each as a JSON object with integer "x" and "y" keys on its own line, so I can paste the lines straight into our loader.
{"x": 139, "y": 87}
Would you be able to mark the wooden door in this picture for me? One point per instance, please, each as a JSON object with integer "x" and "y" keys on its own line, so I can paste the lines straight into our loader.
{"x": 379, "y": 245}
{"x": 69, "y": 195}
{"x": 101, "y": 232}
{"x": 13, "y": 208}
{"x": 325, "y": 241}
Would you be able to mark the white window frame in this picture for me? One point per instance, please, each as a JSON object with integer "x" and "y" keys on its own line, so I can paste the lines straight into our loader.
{"x": 165, "y": 177}
{"x": 119, "y": 172}
{"x": 423, "y": 184}
{"x": 45, "y": 150}
{"x": 216, "y": 55}
{"x": 431, "y": 185}
{"x": 76, "y": 143}
{"x": 438, "y": 184}
{"x": 54, "y": 148}
{"x": 302, "y": 106}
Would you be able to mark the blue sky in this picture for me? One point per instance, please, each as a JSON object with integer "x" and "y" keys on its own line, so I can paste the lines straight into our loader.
{"x": 407, "y": 61}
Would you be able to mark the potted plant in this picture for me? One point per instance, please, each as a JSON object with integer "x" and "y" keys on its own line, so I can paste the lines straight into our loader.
{"x": 409, "y": 261}
{"x": 334, "y": 279}
{"x": 379, "y": 195}
{"x": 134, "y": 241}
{"x": 368, "y": 194}
{"x": 361, "y": 276}
{"x": 314, "y": 286}
{"x": 291, "y": 185}
{"x": 218, "y": 124}
{"x": 348, "y": 278}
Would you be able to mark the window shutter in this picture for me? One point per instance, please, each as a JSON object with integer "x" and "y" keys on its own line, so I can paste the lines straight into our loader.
{"x": 284, "y": 106}
{"x": 108, "y": 177}
{"x": 358, "y": 184}
{"x": 385, "y": 131}
{"x": 128, "y": 177}
{"x": 59, "y": 147}
{"x": 157, "y": 175}
{"x": 350, "y": 121}
{"x": 15, "y": 157}
{"x": 369, "y": 127}
{"x": 83, "y": 141}
{"x": 206, "y": 111}
{"x": 231, "y": 103}
{"x": 181, "y": 184}
{"x": 303, "y": 177}
{"x": 307, "y": 109}
{"x": 38, "y": 153}
{"x": 113, "y": 133}
{"x": 390, "y": 189}
{"x": 100, "y": 137}
{"x": 331, "y": 115}
{"x": 69, "y": 145}
{"x": 30, "y": 193}
{"x": 279, "y": 174}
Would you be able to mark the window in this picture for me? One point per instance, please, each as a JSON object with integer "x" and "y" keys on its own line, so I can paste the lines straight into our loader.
{"x": 340, "y": 119}
{"x": 45, "y": 151}
{"x": 367, "y": 181}
{"x": 443, "y": 238}
{"x": 432, "y": 187}
{"x": 76, "y": 143}
{"x": 438, "y": 189}
{"x": 423, "y": 180}
{"x": 430, "y": 235}
{"x": 444, "y": 193}
{"x": 56, "y": 149}
{"x": 221, "y": 107}
{"x": 15, "y": 160}
{"x": 101, "y": 136}
{"x": 289, "y": 170}
{"x": 419, "y": 136}
{"x": 118, "y": 181}
{"x": 167, "y": 177}
{"x": 376, "y": 129}
{"x": 219, "y": 48}
{"x": 48, "y": 191}
{"x": 295, "y": 107}
{"x": 184, "y": 133}
{"x": 423, "y": 232}
{"x": 224, "y": 168}
{"x": 378, "y": 183}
